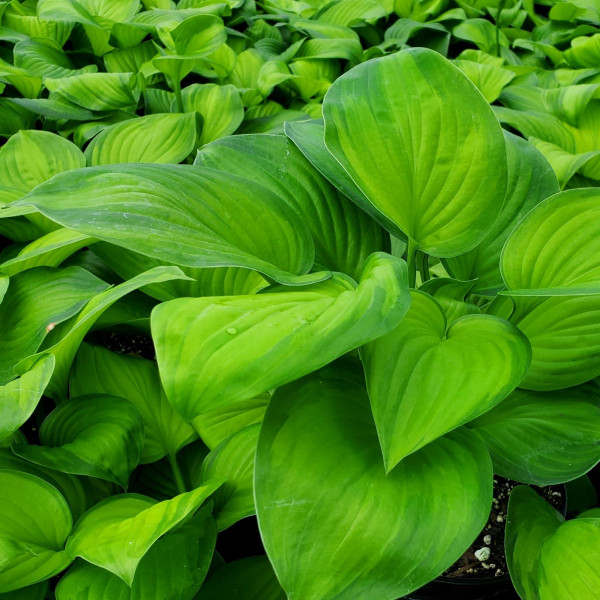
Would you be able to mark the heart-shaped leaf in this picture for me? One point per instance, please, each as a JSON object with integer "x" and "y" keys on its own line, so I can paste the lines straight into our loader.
{"x": 19, "y": 397}
{"x": 542, "y": 438}
{"x": 188, "y": 227}
{"x": 343, "y": 235}
{"x": 98, "y": 436}
{"x": 34, "y": 524}
{"x": 117, "y": 532}
{"x": 530, "y": 180}
{"x": 425, "y": 380}
{"x": 333, "y": 523}
{"x": 555, "y": 249}
{"x": 100, "y": 371}
{"x": 397, "y": 125}
{"x": 162, "y": 138}
{"x": 216, "y": 352}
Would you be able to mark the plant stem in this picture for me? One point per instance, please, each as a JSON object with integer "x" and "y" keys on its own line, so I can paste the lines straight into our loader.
{"x": 498, "y": 14}
{"x": 423, "y": 265}
{"x": 178, "y": 97}
{"x": 412, "y": 265}
{"x": 181, "y": 488}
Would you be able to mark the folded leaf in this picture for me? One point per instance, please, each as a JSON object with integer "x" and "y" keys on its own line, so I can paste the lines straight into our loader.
{"x": 99, "y": 436}
{"x": 397, "y": 125}
{"x": 333, "y": 523}
{"x": 425, "y": 379}
{"x": 216, "y": 352}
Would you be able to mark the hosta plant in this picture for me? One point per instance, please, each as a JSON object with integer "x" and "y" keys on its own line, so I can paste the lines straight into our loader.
{"x": 356, "y": 324}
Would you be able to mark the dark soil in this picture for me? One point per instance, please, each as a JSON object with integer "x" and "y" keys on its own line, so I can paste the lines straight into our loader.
{"x": 492, "y": 537}
{"x": 127, "y": 343}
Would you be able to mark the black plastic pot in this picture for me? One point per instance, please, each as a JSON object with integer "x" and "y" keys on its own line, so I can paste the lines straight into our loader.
{"x": 497, "y": 588}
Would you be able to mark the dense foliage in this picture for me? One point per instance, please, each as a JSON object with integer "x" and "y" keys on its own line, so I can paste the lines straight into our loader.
{"x": 344, "y": 319}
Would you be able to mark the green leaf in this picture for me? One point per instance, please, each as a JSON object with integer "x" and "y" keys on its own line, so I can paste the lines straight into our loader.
{"x": 542, "y": 438}
{"x": 196, "y": 36}
{"x": 99, "y": 436}
{"x": 564, "y": 333}
{"x": 97, "y": 91}
{"x": 343, "y": 235}
{"x": 385, "y": 129}
{"x": 119, "y": 531}
{"x": 162, "y": 138}
{"x": 37, "y": 301}
{"x": 183, "y": 210}
{"x": 233, "y": 460}
{"x": 531, "y": 522}
{"x": 100, "y": 371}
{"x": 4, "y": 281}
{"x": 530, "y": 180}
{"x": 49, "y": 250}
{"x": 489, "y": 79}
{"x": 425, "y": 379}
{"x": 33, "y": 592}
{"x": 220, "y": 107}
{"x": 19, "y": 398}
{"x": 581, "y": 494}
{"x": 556, "y": 247}
{"x": 247, "y": 579}
{"x": 173, "y": 568}
{"x": 317, "y": 439}
{"x": 64, "y": 349}
{"x": 35, "y": 522}
{"x": 215, "y": 352}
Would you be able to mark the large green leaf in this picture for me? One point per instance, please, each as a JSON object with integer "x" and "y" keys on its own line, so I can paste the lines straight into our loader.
{"x": 100, "y": 371}
{"x": 343, "y": 235}
{"x": 173, "y": 568}
{"x": 425, "y": 379}
{"x": 398, "y": 126}
{"x": 333, "y": 523}
{"x": 162, "y": 138}
{"x": 233, "y": 460}
{"x": 19, "y": 397}
{"x": 36, "y": 301}
{"x": 99, "y": 436}
{"x": 75, "y": 330}
{"x": 556, "y": 248}
{"x": 118, "y": 532}
{"x": 32, "y": 592}
{"x": 215, "y": 352}
{"x": 247, "y": 579}
{"x": 564, "y": 333}
{"x": 178, "y": 213}
{"x": 34, "y": 524}
{"x": 530, "y": 180}
{"x": 542, "y": 438}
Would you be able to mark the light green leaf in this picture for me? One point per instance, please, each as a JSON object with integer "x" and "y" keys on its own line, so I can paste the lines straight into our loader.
{"x": 220, "y": 107}
{"x": 530, "y": 180}
{"x": 343, "y": 235}
{"x": 489, "y": 79}
{"x": 556, "y": 246}
{"x": 352, "y": 12}
{"x": 531, "y": 522}
{"x": 215, "y": 352}
{"x": 70, "y": 10}
{"x": 162, "y": 138}
{"x": 542, "y": 438}
{"x": 196, "y": 36}
{"x": 34, "y": 522}
{"x": 4, "y": 281}
{"x": 36, "y": 301}
{"x": 119, "y": 531}
{"x": 564, "y": 333}
{"x": 398, "y": 123}
{"x": 451, "y": 295}
{"x": 176, "y": 213}
{"x": 65, "y": 348}
{"x": 98, "y": 436}
{"x": 425, "y": 379}
{"x": 215, "y": 426}
{"x": 47, "y": 251}
{"x": 97, "y": 91}
{"x": 247, "y": 579}
{"x": 100, "y": 371}
{"x": 173, "y": 568}
{"x": 317, "y": 439}
{"x": 233, "y": 460}
{"x": 19, "y": 397}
